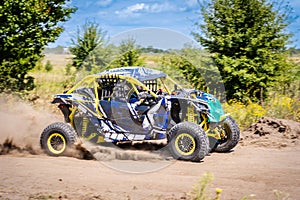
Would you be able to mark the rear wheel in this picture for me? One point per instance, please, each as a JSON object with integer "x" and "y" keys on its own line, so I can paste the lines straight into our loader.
{"x": 188, "y": 141}
{"x": 230, "y": 137}
{"x": 56, "y": 138}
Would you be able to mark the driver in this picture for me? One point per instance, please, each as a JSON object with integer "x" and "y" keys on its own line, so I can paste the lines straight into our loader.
{"x": 137, "y": 99}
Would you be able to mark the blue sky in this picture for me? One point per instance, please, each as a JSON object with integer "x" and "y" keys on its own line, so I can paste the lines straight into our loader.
{"x": 171, "y": 21}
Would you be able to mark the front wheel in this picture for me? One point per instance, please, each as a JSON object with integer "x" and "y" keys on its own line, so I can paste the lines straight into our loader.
{"x": 230, "y": 135}
{"x": 56, "y": 138}
{"x": 188, "y": 141}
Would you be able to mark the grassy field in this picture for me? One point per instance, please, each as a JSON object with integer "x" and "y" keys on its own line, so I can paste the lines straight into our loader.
{"x": 54, "y": 81}
{"x": 57, "y": 80}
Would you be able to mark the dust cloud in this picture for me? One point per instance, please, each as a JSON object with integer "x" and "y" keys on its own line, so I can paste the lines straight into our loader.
{"x": 134, "y": 152}
{"x": 22, "y": 124}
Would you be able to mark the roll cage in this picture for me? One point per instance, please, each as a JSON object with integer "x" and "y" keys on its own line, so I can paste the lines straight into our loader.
{"x": 113, "y": 85}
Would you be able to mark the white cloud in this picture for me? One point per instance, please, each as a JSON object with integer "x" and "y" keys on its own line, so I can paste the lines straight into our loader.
{"x": 104, "y": 3}
{"x": 131, "y": 10}
{"x": 139, "y": 8}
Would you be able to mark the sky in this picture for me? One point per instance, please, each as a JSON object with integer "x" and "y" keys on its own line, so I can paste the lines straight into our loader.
{"x": 159, "y": 23}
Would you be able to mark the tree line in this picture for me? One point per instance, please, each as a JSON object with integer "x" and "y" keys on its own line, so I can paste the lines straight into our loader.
{"x": 246, "y": 44}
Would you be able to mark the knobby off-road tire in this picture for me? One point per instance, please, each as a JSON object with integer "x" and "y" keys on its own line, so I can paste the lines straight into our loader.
{"x": 188, "y": 141}
{"x": 57, "y": 137}
{"x": 232, "y": 136}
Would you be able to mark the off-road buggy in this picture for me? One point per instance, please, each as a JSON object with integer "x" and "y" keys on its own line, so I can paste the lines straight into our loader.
{"x": 135, "y": 104}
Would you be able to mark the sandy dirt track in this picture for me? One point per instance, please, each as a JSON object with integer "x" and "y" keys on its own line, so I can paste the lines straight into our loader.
{"x": 260, "y": 164}
{"x": 247, "y": 171}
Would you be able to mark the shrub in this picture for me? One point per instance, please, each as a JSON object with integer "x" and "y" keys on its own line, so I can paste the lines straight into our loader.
{"x": 278, "y": 106}
{"x": 48, "y": 66}
{"x": 244, "y": 114}
{"x": 199, "y": 190}
{"x": 281, "y": 106}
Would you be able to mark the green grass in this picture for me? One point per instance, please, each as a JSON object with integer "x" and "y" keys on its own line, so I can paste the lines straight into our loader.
{"x": 48, "y": 83}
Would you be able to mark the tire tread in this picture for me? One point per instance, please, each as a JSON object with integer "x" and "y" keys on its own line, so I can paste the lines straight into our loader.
{"x": 65, "y": 129}
{"x": 201, "y": 151}
{"x": 234, "y": 138}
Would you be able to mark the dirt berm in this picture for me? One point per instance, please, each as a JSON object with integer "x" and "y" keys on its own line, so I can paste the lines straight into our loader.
{"x": 271, "y": 132}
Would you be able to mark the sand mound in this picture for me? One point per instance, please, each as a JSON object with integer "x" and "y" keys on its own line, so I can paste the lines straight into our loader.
{"x": 271, "y": 132}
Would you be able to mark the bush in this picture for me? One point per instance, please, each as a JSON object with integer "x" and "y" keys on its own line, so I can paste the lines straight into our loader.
{"x": 48, "y": 66}
{"x": 281, "y": 106}
{"x": 278, "y": 106}
{"x": 199, "y": 191}
{"x": 244, "y": 114}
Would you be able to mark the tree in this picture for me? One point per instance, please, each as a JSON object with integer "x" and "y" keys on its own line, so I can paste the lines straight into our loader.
{"x": 88, "y": 47}
{"x": 129, "y": 55}
{"x": 48, "y": 66}
{"x": 25, "y": 28}
{"x": 247, "y": 40}
{"x": 172, "y": 64}
{"x": 203, "y": 67}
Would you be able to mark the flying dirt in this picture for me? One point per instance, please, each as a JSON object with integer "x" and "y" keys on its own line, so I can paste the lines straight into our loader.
{"x": 22, "y": 125}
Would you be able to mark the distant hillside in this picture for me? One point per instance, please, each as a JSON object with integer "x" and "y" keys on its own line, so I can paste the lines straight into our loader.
{"x": 294, "y": 51}
{"x": 56, "y": 50}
